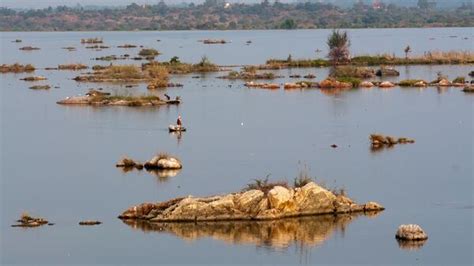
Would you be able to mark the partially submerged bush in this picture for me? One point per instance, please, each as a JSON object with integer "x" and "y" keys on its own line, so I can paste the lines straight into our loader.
{"x": 148, "y": 52}
{"x": 459, "y": 80}
{"x": 354, "y": 81}
{"x": 352, "y": 71}
{"x": 409, "y": 82}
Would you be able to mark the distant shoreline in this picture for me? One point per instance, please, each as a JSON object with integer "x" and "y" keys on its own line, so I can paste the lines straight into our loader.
{"x": 216, "y": 16}
{"x": 237, "y": 30}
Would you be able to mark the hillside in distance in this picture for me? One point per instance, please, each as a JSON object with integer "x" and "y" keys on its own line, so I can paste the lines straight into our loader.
{"x": 212, "y": 15}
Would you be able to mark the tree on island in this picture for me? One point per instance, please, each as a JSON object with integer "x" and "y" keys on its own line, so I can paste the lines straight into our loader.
{"x": 339, "y": 43}
{"x": 407, "y": 51}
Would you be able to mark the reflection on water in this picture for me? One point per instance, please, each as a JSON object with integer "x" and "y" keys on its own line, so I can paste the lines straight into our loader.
{"x": 165, "y": 174}
{"x": 178, "y": 135}
{"x": 411, "y": 245}
{"x": 278, "y": 234}
{"x": 378, "y": 149}
{"x": 162, "y": 175}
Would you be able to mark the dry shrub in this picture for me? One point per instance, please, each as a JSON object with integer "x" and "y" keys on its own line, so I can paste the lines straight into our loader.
{"x": 123, "y": 72}
{"x": 264, "y": 185}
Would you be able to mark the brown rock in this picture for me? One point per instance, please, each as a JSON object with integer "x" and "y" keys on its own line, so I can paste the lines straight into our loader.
{"x": 410, "y": 232}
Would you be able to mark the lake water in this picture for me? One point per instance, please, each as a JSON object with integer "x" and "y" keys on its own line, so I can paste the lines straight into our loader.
{"x": 58, "y": 162}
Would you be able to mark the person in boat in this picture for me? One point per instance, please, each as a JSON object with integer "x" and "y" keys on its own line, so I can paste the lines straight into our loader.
{"x": 179, "y": 122}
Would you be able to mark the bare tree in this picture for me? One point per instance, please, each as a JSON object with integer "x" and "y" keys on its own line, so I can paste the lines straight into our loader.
{"x": 339, "y": 43}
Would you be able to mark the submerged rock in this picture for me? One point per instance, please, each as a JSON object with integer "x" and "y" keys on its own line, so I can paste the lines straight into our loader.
{"x": 410, "y": 232}
{"x": 334, "y": 84}
{"x": 279, "y": 202}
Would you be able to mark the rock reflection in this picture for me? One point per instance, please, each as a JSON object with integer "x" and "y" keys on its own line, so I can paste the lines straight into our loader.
{"x": 161, "y": 175}
{"x": 308, "y": 231}
{"x": 165, "y": 174}
{"x": 411, "y": 245}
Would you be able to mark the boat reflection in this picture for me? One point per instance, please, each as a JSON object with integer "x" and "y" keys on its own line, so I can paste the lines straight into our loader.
{"x": 308, "y": 231}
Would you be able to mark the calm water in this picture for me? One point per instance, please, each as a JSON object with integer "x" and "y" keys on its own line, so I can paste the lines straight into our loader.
{"x": 58, "y": 161}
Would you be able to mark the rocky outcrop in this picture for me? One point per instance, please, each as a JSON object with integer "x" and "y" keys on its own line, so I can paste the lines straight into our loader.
{"x": 443, "y": 83}
{"x": 366, "y": 84}
{"x": 410, "y": 232}
{"x": 252, "y": 84}
{"x": 386, "y": 84}
{"x": 28, "y": 221}
{"x": 334, "y": 84}
{"x": 279, "y": 202}
{"x": 159, "y": 162}
{"x": 163, "y": 161}
{"x": 105, "y": 99}
{"x": 379, "y": 141}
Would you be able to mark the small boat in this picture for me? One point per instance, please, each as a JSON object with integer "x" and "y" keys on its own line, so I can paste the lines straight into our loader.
{"x": 176, "y": 128}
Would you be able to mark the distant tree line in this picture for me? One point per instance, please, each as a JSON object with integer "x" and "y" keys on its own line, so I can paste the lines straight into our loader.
{"x": 213, "y": 15}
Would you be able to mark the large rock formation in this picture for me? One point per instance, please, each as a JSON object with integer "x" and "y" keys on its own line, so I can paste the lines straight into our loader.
{"x": 279, "y": 202}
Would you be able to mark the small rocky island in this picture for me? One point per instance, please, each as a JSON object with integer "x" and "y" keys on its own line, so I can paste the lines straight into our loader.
{"x": 267, "y": 203}
{"x": 98, "y": 98}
